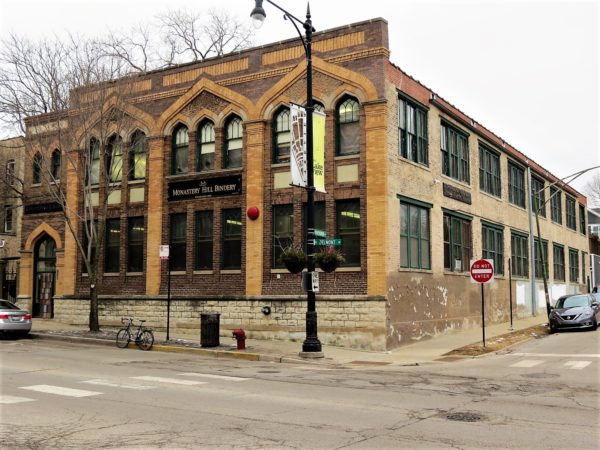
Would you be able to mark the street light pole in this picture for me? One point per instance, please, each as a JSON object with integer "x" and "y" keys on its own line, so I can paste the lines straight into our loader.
{"x": 311, "y": 344}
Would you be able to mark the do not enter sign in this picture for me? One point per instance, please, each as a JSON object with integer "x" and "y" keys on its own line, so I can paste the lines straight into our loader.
{"x": 482, "y": 270}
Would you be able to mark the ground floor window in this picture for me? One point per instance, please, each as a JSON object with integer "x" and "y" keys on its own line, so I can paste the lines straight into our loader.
{"x": 414, "y": 236}
{"x": 573, "y": 265}
{"x": 493, "y": 246}
{"x": 178, "y": 242}
{"x": 135, "y": 244}
{"x": 539, "y": 270}
{"x": 520, "y": 252}
{"x": 559, "y": 262}
{"x": 348, "y": 230}
{"x": 112, "y": 246}
{"x": 231, "y": 238}
{"x": 204, "y": 240}
{"x": 457, "y": 243}
{"x": 283, "y": 231}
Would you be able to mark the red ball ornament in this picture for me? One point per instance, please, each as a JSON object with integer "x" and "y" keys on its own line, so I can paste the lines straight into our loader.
{"x": 253, "y": 213}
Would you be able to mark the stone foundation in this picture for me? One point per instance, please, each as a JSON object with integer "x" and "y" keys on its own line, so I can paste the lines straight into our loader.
{"x": 358, "y": 322}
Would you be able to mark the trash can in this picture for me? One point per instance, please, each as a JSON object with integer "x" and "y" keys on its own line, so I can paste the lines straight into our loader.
{"x": 209, "y": 329}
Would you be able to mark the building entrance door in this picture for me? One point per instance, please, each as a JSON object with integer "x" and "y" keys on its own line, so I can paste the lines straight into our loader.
{"x": 44, "y": 278}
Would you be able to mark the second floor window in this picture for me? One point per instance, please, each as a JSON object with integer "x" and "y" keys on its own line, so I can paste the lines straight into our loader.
{"x": 55, "y": 165}
{"x": 137, "y": 156}
{"x": 281, "y": 136}
{"x": 412, "y": 132}
{"x": 348, "y": 128}
{"x": 205, "y": 154}
{"x": 114, "y": 159}
{"x": 8, "y": 219}
{"x": 570, "y": 210}
{"x": 233, "y": 143}
{"x": 179, "y": 157}
{"x": 516, "y": 185}
{"x": 555, "y": 205}
{"x": 489, "y": 170}
{"x": 10, "y": 172}
{"x": 93, "y": 170}
{"x": 539, "y": 195}
{"x": 582, "y": 227}
{"x": 37, "y": 169}
{"x": 455, "y": 154}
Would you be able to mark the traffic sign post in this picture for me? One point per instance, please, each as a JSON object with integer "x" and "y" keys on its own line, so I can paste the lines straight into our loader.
{"x": 482, "y": 272}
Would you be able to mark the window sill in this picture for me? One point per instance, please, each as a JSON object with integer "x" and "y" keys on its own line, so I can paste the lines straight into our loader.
{"x": 8, "y": 233}
{"x": 203, "y": 272}
{"x": 130, "y": 182}
{"x": 281, "y": 164}
{"x": 411, "y": 269}
{"x": 413, "y": 163}
{"x": 111, "y": 274}
{"x": 458, "y": 274}
{"x": 230, "y": 271}
{"x": 134, "y": 274}
{"x": 520, "y": 208}
{"x": 348, "y": 269}
{"x": 35, "y": 185}
{"x": 178, "y": 272}
{"x": 55, "y": 183}
{"x": 491, "y": 196}
{"x": 345, "y": 157}
{"x": 463, "y": 184}
{"x": 280, "y": 270}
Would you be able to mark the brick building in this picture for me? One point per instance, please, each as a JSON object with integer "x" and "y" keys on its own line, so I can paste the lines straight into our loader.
{"x": 414, "y": 189}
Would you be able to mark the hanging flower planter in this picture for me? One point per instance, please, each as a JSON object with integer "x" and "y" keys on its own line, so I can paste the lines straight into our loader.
{"x": 294, "y": 259}
{"x": 329, "y": 259}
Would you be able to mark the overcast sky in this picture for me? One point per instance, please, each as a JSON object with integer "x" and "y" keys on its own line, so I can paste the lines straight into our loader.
{"x": 527, "y": 70}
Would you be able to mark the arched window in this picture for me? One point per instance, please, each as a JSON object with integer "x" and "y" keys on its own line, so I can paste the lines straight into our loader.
{"x": 114, "y": 159}
{"x": 281, "y": 136}
{"x": 93, "y": 170}
{"x": 233, "y": 142}
{"x": 137, "y": 156}
{"x": 205, "y": 156}
{"x": 319, "y": 107}
{"x": 55, "y": 165}
{"x": 37, "y": 168}
{"x": 348, "y": 128}
{"x": 179, "y": 157}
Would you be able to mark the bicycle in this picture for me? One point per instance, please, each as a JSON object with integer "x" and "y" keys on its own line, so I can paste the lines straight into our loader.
{"x": 144, "y": 337}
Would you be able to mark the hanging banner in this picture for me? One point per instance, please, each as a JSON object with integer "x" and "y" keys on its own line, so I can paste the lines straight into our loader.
{"x": 319, "y": 151}
{"x": 298, "y": 145}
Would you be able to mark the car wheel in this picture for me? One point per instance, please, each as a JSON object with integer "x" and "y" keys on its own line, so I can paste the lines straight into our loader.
{"x": 552, "y": 329}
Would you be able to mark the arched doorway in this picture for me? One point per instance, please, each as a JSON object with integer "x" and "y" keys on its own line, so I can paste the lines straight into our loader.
{"x": 44, "y": 277}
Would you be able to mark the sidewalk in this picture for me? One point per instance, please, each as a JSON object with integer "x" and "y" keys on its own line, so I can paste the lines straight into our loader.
{"x": 423, "y": 352}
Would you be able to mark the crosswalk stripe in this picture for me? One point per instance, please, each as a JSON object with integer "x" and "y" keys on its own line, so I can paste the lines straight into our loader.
{"x": 169, "y": 380}
{"x": 527, "y": 363}
{"x": 99, "y": 382}
{"x": 59, "y": 390}
{"x": 556, "y": 355}
{"x": 9, "y": 399}
{"x": 216, "y": 377}
{"x": 577, "y": 365}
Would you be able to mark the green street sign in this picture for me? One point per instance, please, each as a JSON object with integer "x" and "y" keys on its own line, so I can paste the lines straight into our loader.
{"x": 320, "y": 233}
{"x": 328, "y": 242}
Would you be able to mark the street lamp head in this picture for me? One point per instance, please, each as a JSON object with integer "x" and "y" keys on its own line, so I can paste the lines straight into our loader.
{"x": 258, "y": 14}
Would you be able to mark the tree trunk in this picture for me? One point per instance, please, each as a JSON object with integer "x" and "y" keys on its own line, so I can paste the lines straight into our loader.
{"x": 94, "y": 324}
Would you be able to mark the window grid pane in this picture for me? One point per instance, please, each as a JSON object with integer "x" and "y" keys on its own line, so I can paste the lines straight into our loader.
{"x": 231, "y": 245}
{"x": 135, "y": 244}
{"x": 457, "y": 243}
{"x": 112, "y": 245}
{"x": 178, "y": 242}
{"x": 283, "y": 231}
{"x": 348, "y": 229}
{"x": 204, "y": 241}
{"x": 414, "y": 238}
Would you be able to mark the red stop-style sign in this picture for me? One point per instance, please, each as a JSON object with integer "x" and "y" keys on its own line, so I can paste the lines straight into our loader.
{"x": 482, "y": 270}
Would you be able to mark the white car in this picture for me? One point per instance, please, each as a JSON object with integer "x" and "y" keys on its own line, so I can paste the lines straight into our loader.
{"x": 14, "y": 319}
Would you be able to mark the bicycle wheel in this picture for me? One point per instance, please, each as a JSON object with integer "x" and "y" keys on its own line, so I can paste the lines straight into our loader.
{"x": 146, "y": 340}
{"x": 123, "y": 338}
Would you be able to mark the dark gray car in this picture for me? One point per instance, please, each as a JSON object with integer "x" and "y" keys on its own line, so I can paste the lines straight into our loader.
{"x": 575, "y": 311}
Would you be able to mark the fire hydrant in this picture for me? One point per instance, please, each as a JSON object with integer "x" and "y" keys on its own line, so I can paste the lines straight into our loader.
{"x": 240, "y": 336}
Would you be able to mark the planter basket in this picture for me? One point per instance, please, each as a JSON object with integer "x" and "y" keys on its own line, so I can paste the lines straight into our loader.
{"x": 328, "y": 266}
{"x": 294, "y": 265}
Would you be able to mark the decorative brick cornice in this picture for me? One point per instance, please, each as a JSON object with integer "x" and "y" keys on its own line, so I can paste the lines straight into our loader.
{"x": 215, "y": 69}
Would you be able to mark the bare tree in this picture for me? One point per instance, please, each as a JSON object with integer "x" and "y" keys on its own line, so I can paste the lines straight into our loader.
{"x": 592, "y": 190}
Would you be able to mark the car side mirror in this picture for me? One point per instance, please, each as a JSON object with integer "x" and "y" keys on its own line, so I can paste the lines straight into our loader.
{"x": 595, "y": 304}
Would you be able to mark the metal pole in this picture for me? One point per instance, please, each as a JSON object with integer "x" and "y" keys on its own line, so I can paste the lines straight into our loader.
{"x": 531, "y": 246}
{"x": 311, "y": 343}
{"x": 510, "y": 299}
{"x": 483, "y": 314}
{"x": 542, "y": 258}
{"x": 168, "y": 294}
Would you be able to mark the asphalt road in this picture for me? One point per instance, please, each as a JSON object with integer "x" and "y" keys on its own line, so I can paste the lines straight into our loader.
{"x": 544, "y": 394}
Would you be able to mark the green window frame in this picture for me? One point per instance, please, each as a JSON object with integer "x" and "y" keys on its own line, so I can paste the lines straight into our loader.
{"x": 281, "y": 136}
{"x": 412, "y": 131}
{"x": 347, "y": 223}
{"x": 537, "y": 260}
{"x": 539, "y": 193}
{"x": 415, "y": 236}
{"x": 36, "y": 177}
{"x": 558, "y": 262}
{"x": 516, "y": 185}
{"x": 519, "y": 244}
{"x": 231, "y": 238}
{"x": 455, "y": 153}
{"x": 178, "y": 242}
{"x": 573, "y": 265}
{"x": 283, "y": 231}
{"x": 489, "y": 170}
{"x": 555, "y": 205}
{"x": 205, "y": 146}
{"x": 55, "y": 165}
{"x": 570, "y": 212}
{"x": 203, "y": 228}
{"x": 582, "y": 227}
{"x": 112, "y": 246}
{"x": 458, "y": 243}
{"x": 135, "y": 244}
{"x": 8, "y": 219}
{"x": 179, "y": 155}
{"x": 138, "y": 151}
{"x": 234, "y": 141}
{"x": 492, "y": 237}
{"x": 348, "y": 127}
{"x": 584, "y": 273}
